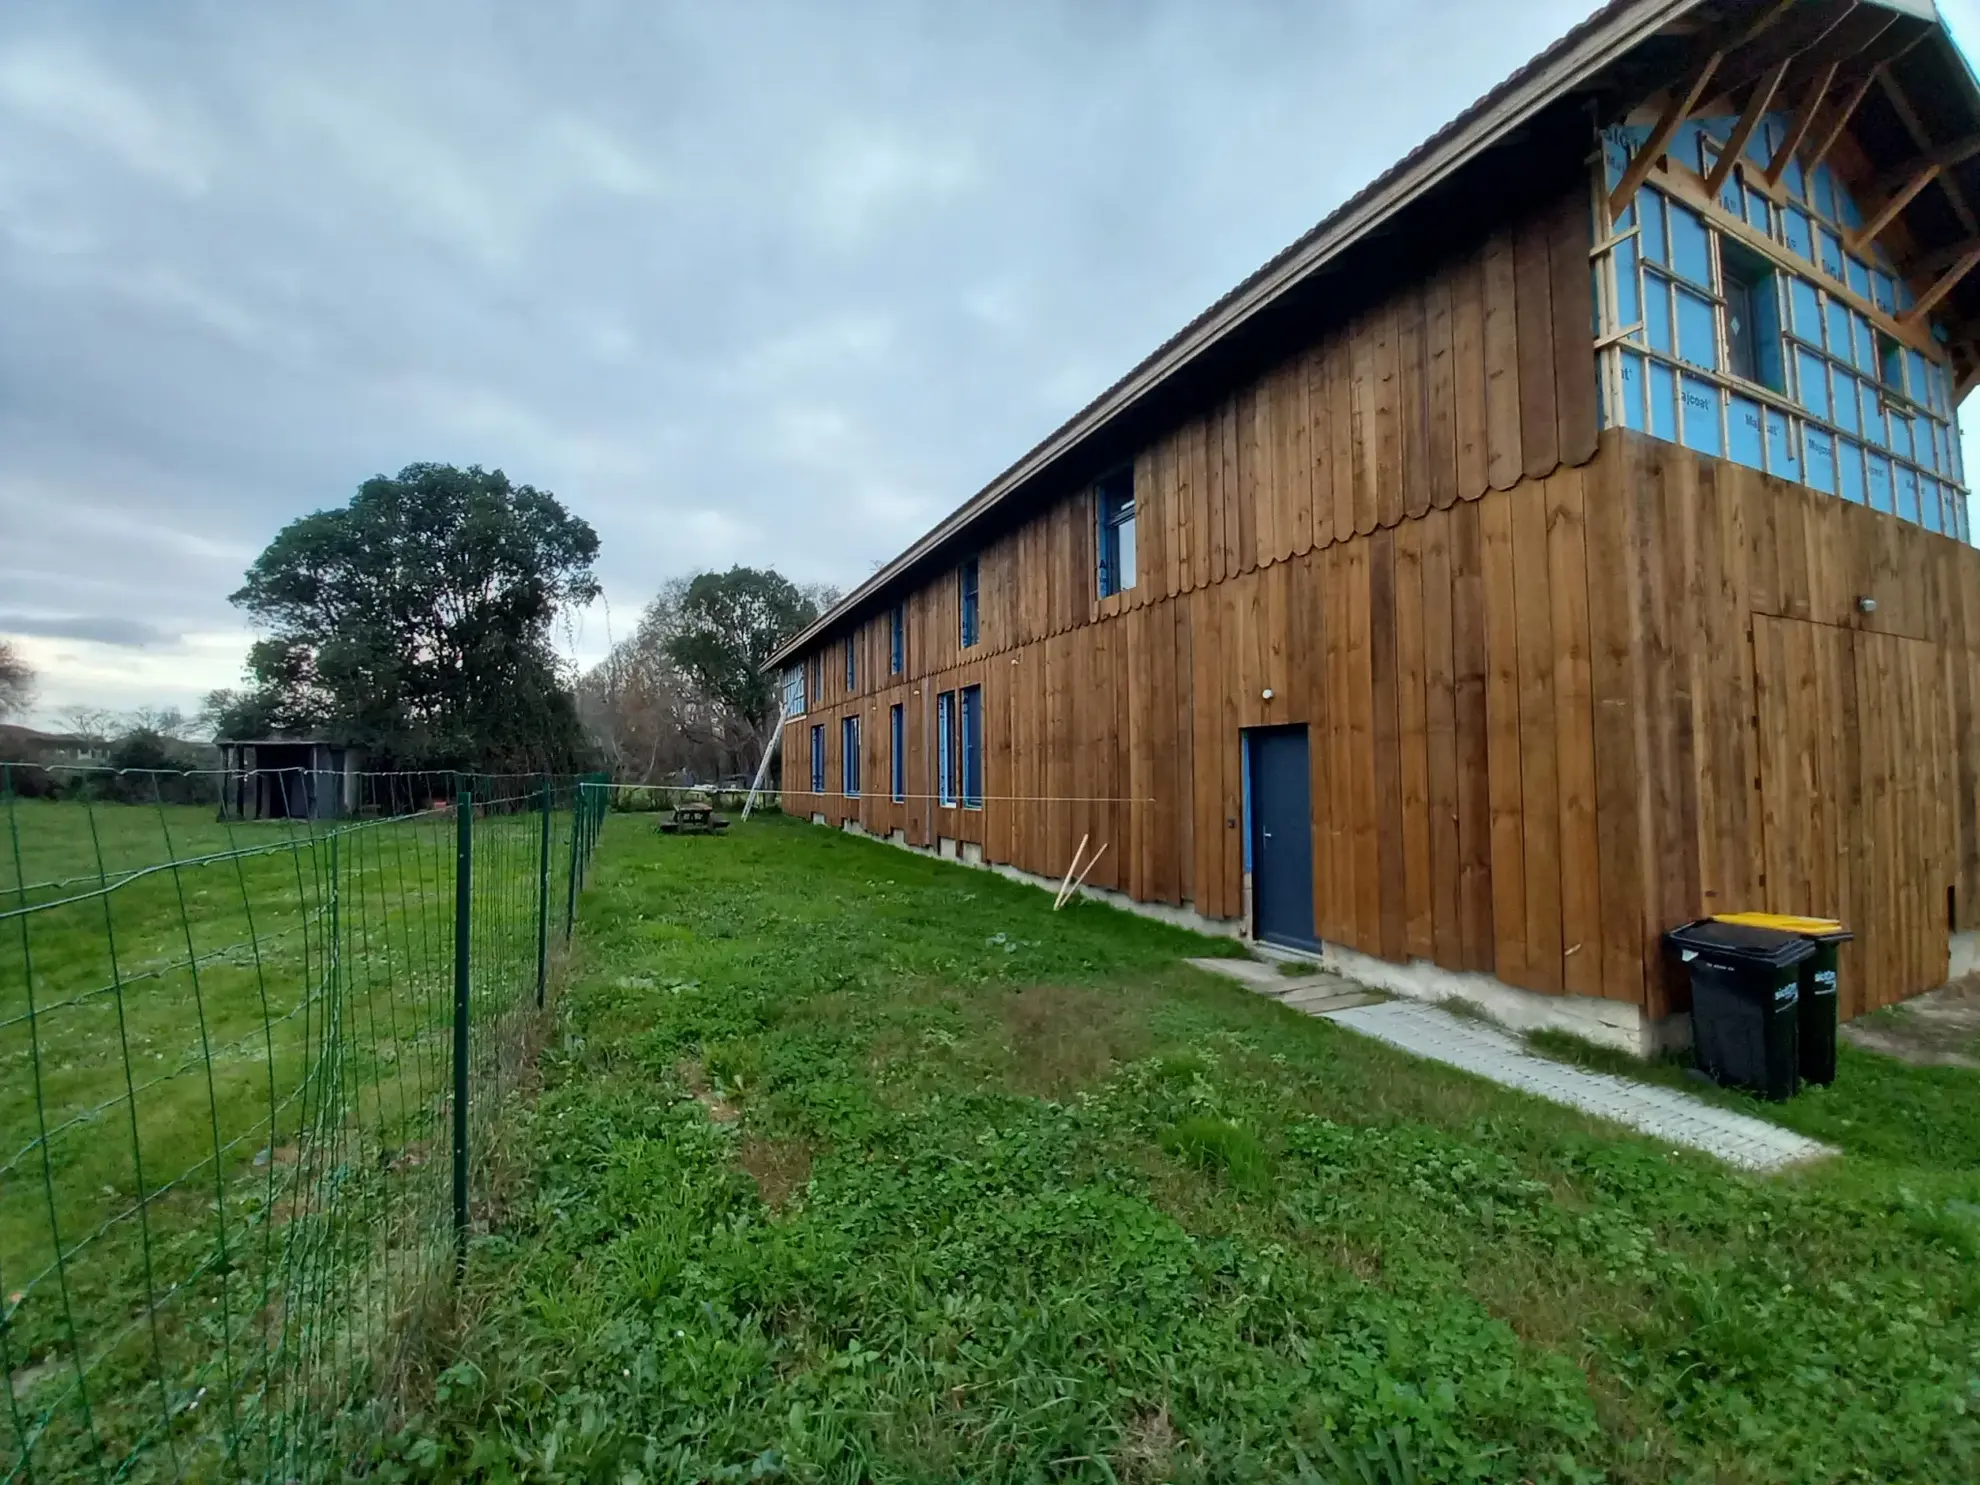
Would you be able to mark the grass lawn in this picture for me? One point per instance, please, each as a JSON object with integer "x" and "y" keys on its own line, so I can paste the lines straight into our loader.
{"x": 854, "y": 1165}
{"x": 220, "y": 1087}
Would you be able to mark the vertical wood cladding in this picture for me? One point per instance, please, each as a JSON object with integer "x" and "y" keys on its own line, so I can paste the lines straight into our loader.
{"x": 1555, "y": 706}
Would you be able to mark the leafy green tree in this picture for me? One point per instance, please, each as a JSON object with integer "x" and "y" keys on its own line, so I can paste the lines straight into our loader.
{"x": 726, "y": 627}
{"x": 416, "y": 621}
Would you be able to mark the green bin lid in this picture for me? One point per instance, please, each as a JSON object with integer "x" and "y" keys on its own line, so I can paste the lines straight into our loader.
{"x": 1740, "y": 944}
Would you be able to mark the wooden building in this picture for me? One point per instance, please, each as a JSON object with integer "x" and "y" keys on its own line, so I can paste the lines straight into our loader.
{"x": 1564, "y": 539}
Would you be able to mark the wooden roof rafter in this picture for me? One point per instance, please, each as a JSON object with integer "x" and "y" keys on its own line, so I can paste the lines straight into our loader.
{"x": 1757, "y": 104}
{"x": 1804, "y": 117}
{"x": 1711, "y": 53}
{"x": 1859, "y": 241}
{"x": 1941, "y": 286}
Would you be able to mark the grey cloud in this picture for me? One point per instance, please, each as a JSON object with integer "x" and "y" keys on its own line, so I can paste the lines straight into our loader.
{"x": 103, "y": 629}
{"x": 768, "y": 282}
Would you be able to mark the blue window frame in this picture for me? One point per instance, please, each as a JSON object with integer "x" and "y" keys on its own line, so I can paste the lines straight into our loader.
{"x": 1114, "y": 500}
{"x": 852, "y": 665}
{"x": 794, "y": 691}
{"x": 945, "y": 747}
{"x": 849, "y": 756}
{"x": 818, "y": 759}
{"x": 972, "y": 747}
{"x": 897, "y": 748}
{"x": 966, "y": 601}
{"x": 897, "y": 643}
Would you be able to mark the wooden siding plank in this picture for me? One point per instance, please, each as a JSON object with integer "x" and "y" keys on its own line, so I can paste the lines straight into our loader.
{"x": 1440, "y": 393}
{"x": 1502, "y": 699}
{"x": 1539, "y": 425}
{"x": 1440, "y": 731}
{"x": 1250, "y": 484}
{"x": 1540, "y": 800}
{"x": 1384, "y": 667}
{"x": 1468, "y": 377}
{"x": 1573, "y": 296}
{"x": 1320, "y": 447}
{"x": 1413, "y": 391}
{"x": 1617, "y": 705}
{"x": 1503, "y": 457}
{"x": 1345, "y": 435}
{"x": 1364, "y": 798}
{"x": 1412, "y": 728}
{"x": 1476, "y": 895}
{"x": 1580, "y": 850}
{"x": 1388, "y": 413}
{"x": 1297, "y": 467}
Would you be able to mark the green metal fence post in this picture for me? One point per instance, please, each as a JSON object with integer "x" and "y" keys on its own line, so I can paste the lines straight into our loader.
{"x": 463, "y": 905}
{"x": 571, "y": 881}
{"x": 543, "y": 898}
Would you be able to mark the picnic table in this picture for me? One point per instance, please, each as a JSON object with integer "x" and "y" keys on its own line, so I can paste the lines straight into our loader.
{"x": 694, "y": 816}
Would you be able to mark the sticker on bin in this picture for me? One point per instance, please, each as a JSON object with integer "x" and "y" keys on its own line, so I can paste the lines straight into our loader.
{"x": 1825, "y": 982}
{"x": 1787, "y": 994}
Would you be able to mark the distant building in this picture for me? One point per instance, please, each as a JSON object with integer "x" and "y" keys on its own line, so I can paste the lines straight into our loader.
{"x": 288, "y": 778}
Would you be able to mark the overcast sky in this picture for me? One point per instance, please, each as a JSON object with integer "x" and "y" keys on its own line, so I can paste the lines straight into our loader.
{"x": 739, "y": 282}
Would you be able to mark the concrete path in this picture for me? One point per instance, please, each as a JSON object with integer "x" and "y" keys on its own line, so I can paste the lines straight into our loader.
{"x": 1424, "y": 1031}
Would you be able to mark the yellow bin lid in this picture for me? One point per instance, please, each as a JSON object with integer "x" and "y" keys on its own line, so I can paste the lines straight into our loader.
{"x": 1783, "y": 922}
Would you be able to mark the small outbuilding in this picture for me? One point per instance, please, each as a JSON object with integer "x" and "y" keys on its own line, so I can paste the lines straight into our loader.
{"x": 288, "y": 778}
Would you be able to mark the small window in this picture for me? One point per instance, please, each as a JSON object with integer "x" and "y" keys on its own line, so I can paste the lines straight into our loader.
{"x": 818, "y": 759}
{"x": 945, "y": 747}
{"x": 1115, "y": 499}
{"x": 972, "y": 747}
{"x": 966, "y": 590}
{"x": 897, "y": 746}
{"x": 852, "y": 664}
{"x": 849, "y": 755}
{"x": 1753, "y": 317}
{"x": 897, "y": 645}
{"x": 1890, "y": 364}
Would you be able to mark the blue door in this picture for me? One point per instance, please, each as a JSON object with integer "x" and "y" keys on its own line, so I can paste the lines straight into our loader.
{"x": 1281, "y": 802}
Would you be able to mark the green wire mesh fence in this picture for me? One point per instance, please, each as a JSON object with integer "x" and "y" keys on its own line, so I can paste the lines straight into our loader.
{"x": 251, "y": 1073}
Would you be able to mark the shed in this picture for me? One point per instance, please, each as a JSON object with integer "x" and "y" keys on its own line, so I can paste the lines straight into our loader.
{"x": 288, "y": 778}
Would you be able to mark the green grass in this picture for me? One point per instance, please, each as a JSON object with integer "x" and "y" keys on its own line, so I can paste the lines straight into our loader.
{"x": 221, "y": 1089}
{"x": 851, "y": 1165}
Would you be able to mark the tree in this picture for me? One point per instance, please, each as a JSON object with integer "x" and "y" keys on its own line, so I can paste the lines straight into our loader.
{"x": 16, "y": 681}
{"x": 416, "y": 621}
{"x": 728, "y": 626}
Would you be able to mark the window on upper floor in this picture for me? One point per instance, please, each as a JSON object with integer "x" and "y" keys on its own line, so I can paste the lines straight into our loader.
{"x": 966, "y": 602}
{"x": 794, "y": 691}
{"x": 1114, "y": 500}
{"x": 897, "y": 642}
{"x": 852, "y": 663}
{"x": 1753, "y": 317}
